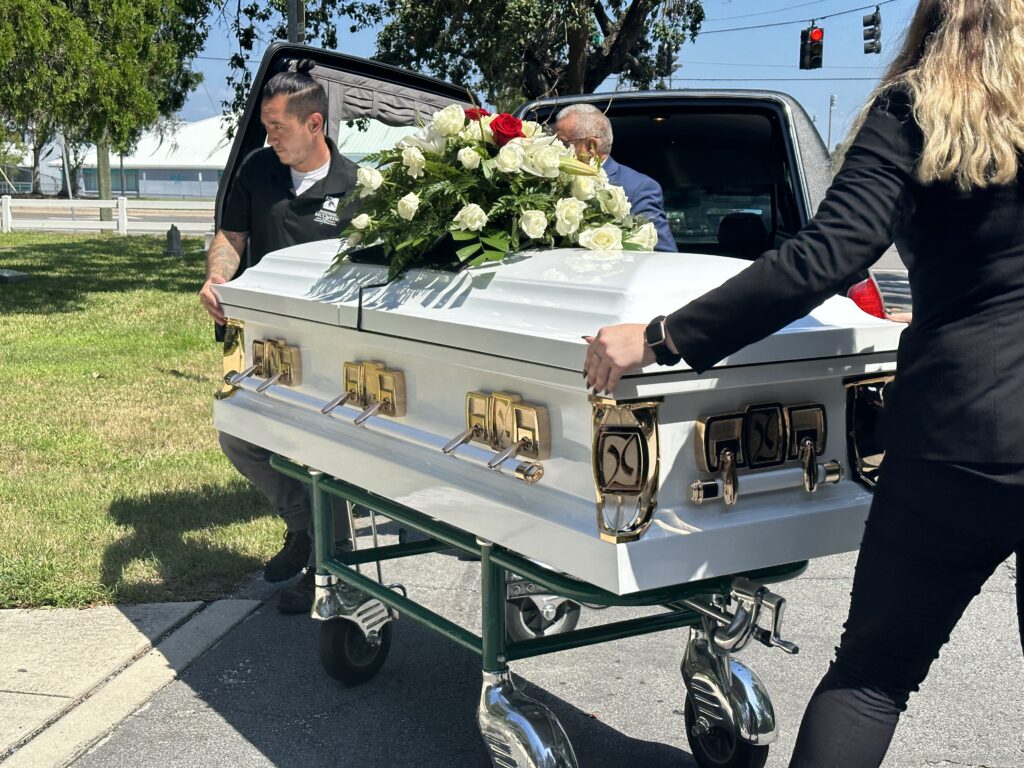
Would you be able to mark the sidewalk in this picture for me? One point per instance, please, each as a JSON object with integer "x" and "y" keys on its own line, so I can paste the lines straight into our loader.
{"x": 69, "y": 677}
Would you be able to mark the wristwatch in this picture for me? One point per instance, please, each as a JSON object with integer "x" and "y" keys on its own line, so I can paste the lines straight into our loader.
{"x": 656, "y": 337}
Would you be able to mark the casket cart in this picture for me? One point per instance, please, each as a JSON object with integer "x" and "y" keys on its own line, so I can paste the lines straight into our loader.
{"x": 453, "y": 404}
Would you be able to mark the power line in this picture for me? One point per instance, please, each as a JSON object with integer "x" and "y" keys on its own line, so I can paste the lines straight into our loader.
{"x": 684, "y": 62}
{"x": 766, "y": 13}
{"x": 795, "y": 21}
{"x": 774, "y": 79}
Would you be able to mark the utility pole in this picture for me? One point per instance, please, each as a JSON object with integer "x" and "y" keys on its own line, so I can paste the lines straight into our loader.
{"x": 831, "y": 107}
{"x": 296, "y": 21}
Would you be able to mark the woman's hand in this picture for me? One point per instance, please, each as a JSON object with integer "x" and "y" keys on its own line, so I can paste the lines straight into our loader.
{"x": 615, "y": 350}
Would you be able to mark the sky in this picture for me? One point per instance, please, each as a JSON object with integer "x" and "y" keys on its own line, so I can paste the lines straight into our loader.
{"x": 728, "y": 53}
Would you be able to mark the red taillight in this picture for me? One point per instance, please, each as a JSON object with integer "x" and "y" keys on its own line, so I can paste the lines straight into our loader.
{"x": 866, "y": 295}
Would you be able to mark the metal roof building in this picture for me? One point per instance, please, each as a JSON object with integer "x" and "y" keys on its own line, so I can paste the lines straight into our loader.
{"x": 189, "y": 162}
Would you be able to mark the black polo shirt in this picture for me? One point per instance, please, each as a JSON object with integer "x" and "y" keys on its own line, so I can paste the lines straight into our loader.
{"x": 262, "y": 203}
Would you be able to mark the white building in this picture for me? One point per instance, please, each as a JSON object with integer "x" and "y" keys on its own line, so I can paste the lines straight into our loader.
{"x": 186, "y": 163}
{"x": 190, "y": 162}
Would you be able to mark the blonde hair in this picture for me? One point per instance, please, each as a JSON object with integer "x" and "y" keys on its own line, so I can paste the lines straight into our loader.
{"x": 963, "y": 64}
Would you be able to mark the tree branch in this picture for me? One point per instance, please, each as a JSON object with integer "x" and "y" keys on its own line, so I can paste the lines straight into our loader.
{"x": 604, "y": 22}
{"x": 619, "y": 45}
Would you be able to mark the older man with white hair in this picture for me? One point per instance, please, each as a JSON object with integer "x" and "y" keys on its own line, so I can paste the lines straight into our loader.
{"x": 586, "y": 128}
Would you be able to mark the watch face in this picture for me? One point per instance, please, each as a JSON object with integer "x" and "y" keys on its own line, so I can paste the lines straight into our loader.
{"x": 655, "y": 333}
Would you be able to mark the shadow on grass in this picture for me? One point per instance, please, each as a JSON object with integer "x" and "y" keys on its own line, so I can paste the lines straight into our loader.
{"x": 172, "y": 533}
{"x": 64, "y": 272}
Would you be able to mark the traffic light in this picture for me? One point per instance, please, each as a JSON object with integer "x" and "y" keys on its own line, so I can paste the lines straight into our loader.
{"x": 873, "y": 32}
{"x": 812, "y": 47}
{"x": 666, "y": 60}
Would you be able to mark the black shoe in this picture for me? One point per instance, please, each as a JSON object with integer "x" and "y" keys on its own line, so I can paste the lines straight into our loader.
{"x": 291, "y": 559}
{"x": 298, "y": 598}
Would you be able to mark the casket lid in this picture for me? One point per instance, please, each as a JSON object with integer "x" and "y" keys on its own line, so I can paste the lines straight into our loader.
{"x": 534, "y": 307}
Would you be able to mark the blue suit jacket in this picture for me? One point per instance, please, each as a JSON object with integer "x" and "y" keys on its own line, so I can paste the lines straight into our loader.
{"x": 646, "y": 198}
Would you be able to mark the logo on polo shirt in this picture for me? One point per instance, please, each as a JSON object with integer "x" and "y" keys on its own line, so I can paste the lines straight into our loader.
{"x": 328, "y": 213}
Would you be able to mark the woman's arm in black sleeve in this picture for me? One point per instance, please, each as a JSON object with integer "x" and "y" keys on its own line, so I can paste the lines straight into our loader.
{"x": 852, "y": 228}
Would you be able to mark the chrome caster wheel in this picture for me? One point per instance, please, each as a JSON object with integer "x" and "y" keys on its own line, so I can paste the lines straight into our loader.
{"x": 716, "y": 747}
{"x": 520, "y": 732}
{"x": 539, "y": 616}
{"x": 346, "y": 653}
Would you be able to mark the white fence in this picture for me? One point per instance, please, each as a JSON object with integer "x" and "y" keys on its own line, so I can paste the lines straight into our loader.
{"x": 129, "y": 216}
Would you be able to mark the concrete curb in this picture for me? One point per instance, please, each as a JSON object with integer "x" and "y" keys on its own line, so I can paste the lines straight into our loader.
{"x": 101, "y": 712}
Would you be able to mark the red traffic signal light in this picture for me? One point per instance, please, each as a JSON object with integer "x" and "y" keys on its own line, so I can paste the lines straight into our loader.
{"x": 812, "y": 47}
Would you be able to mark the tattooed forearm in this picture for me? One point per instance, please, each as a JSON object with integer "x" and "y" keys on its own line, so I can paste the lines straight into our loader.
{"x": 225, "y": 254}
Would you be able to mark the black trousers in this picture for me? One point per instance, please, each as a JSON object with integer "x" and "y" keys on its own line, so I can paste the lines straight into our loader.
{"x": 935, "y": 533}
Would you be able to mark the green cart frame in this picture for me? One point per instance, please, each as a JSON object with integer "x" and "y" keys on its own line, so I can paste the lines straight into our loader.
{"x": 729, "y": 718}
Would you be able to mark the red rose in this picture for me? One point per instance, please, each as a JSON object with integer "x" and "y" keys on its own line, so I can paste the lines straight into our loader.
{"x": 505, "y": 128}
{"x": 476, "y": 113}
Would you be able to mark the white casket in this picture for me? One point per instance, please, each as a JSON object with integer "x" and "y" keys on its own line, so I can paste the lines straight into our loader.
{"x": 676, "y": 477}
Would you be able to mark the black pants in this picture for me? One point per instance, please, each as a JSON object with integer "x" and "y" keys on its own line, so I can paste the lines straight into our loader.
{"x": 935, "y": 534}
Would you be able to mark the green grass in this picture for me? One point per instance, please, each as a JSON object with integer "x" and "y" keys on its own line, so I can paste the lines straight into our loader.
{"x": 112, "y": 487}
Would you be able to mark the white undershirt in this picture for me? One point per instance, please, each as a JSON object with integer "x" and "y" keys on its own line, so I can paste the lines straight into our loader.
{"x": 303, "y": 181}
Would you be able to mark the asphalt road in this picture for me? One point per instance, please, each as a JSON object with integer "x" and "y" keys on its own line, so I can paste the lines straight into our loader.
{"x": 260, "y": 698}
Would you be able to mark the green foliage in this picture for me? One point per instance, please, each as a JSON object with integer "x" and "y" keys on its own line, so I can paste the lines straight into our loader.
{"x": 98, "y": 70}
{"x": 12, "y": 149}
{"x": 508, "y": 51}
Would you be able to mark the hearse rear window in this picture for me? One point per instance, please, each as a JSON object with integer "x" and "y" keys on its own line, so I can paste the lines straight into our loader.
{"x": 725, "y": 169}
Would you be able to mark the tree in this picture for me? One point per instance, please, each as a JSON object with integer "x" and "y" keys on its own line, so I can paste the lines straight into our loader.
{"x": 506, "y": 50}
{"x": 142, "y": 70}
{"x": 98, "y": 71}
{"x": 48, "y": 48}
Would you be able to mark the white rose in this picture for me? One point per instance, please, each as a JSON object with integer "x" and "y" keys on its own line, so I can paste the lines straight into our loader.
{"x": 450, "y": 120}
{"x": 604, "y": 238}
{"x": 531, "y": 128}
{"x": 362, "y": 221}
{"x": 485, "y": 128}
{"x": 568, "y": 215}
{"x": 533, "y": 223}
{"x": 543, "y": 157}
{"x": 471, "y": 217}
{"x": 368, "y": 179}
{"x": 414, "y": 161}
{"x": 354, "y": 239}
{"x": 478, "y": 130}
{"x": 510, "y": 158}
{"x": 428, "y": 139}
{"x": 407, "y": 206}
{"x": 646, "y": 237}
{"x": 583, "y": 187}
{"x": 469, "y": 158}
{"x": 614, "y": 201}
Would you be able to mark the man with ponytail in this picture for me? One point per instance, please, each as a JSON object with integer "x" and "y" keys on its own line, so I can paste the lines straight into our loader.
{"x": 934, "y": 165}
{"x": 284, "y": 194}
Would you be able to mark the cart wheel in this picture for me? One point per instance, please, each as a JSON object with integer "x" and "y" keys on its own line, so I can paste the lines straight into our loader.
{"x": 347, "y": 656}
{"x": 525, "y": 621}
{"x": 718, "y": 748}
